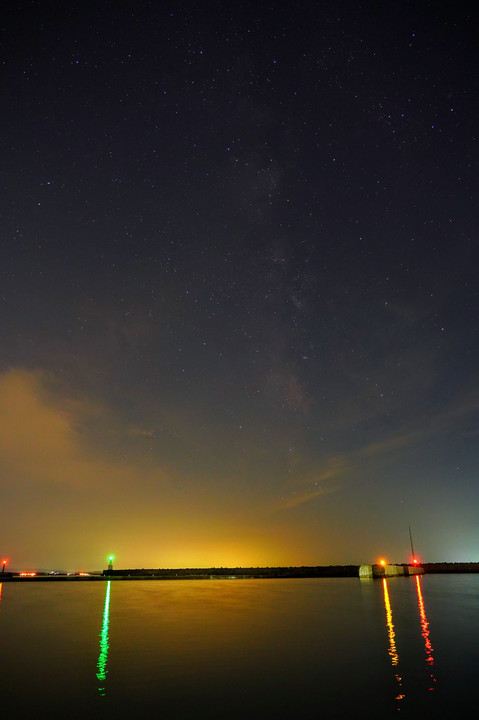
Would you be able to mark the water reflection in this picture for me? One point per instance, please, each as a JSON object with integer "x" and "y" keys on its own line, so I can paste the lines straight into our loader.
{"x": 392, "y": 650}
{"x": 425, "y": 632}
{"x": 393, "y": 654}
{"x": 101, "y": 665}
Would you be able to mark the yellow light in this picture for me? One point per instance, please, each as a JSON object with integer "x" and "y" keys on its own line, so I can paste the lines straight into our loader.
{"x": 382, "y": 562}
{"x": 389, "y": 622}
{"x": 393, "y": 653}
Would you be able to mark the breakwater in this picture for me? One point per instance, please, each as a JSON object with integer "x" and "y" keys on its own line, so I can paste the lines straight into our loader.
{"x": 240, "y": 572}
{"x": 451, "y": 567}
{"x": 237, "y": 573}
{"x": 225, "y": 573}
{"x": 383, "y": 571}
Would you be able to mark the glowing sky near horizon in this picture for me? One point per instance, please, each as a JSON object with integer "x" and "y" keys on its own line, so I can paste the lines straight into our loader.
{"x": 238, "y": 290}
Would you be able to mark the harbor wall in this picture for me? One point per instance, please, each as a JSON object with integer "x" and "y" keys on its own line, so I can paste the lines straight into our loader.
{"x": 382, "y": 571}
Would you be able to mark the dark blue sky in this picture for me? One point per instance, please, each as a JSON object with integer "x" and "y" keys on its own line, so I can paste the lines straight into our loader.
{"x": 238, "y": 300}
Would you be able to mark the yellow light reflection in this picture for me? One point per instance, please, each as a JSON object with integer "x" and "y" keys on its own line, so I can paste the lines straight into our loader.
{"x": 101, "y": 665}
{"x": 393, "y": 654}
{"x": 425, "y": 631}
{"x": 1, "y": 590}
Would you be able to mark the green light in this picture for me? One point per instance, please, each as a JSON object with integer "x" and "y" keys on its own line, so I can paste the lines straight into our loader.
{"x": 101, "y": 666}
{"x": 110, "y": 558}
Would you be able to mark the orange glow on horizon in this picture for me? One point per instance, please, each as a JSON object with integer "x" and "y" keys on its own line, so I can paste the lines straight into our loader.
{"x": 27, "y": 574}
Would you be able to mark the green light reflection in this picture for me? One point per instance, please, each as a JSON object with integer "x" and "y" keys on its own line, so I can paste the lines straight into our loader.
{"x": 101, "y": 665}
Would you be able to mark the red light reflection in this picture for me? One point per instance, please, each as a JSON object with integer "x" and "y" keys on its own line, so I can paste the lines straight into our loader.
{"x": 425, "y": 629}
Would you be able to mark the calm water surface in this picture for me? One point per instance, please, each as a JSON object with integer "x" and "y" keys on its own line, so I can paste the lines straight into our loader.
{"x": 241, "y": 648}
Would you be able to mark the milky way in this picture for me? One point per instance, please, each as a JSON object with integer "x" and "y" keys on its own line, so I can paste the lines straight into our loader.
{"x": 238, "y": 283}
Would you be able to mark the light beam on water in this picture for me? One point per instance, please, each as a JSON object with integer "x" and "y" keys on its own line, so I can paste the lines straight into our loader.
{"x": 425, "y": 631}
{"x": 101, "y": 665}
{"x": 393, "y": 654}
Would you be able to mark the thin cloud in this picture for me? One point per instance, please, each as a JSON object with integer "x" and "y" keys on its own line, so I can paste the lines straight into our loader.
{"x": 141, "y": 432}
{"x": 41, "y": 438}
{"x": 391, "y": 444}
{"x": 313, "y": 488}
{"x": 342, "y": 468}
{"x": 439, "y": 424}
{"x": 306, "y": 497}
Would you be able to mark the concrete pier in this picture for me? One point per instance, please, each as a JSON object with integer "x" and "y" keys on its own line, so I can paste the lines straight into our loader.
{"x": 381, "y": 571}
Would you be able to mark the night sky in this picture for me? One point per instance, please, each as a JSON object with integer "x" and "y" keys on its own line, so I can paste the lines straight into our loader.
{"x": 238, "y": 283}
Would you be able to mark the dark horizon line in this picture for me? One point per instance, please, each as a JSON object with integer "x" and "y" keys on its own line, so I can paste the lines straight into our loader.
{"x": 291, "y": 571}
